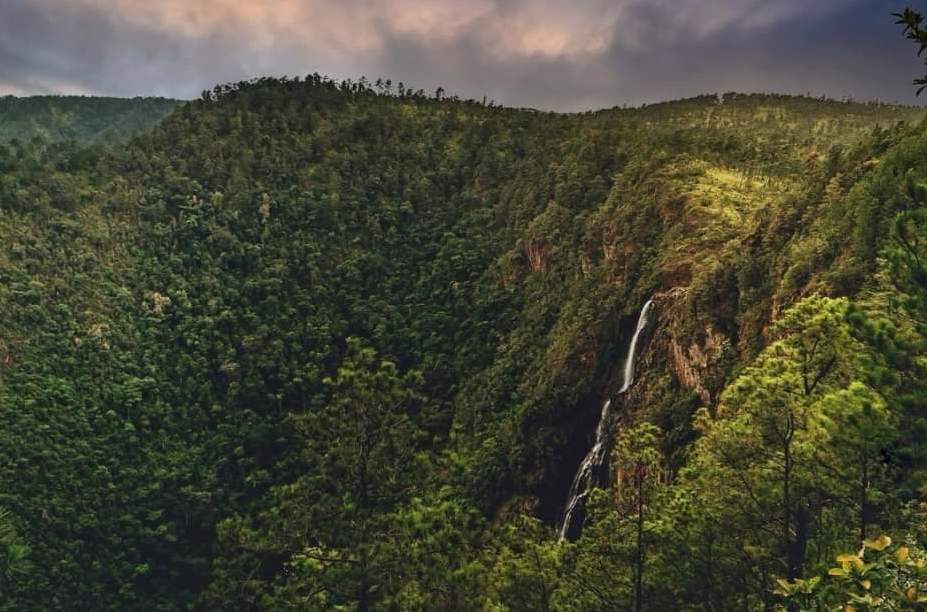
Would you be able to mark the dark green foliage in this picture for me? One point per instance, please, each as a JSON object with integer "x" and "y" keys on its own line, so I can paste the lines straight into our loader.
{"x": 84, "y": 120}
{"x": 915, "y": 32}
{"x": 311, "y": 344}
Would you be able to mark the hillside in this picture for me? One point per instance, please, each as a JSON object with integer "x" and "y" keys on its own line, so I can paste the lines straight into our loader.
{"x": 86, "y": 120}
{"x": 307, "y": 345}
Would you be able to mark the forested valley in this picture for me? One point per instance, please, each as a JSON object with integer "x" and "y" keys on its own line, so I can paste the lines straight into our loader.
{"x": 313, "y": 345}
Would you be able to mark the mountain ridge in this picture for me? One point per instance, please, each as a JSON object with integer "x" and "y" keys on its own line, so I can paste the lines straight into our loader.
{"x": 200, "y": 327}
{"x": 86, "y": 119}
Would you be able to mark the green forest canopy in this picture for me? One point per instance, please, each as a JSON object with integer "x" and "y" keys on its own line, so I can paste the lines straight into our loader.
{"x": 85, "y": 120}
{"x": 316, "y": 345}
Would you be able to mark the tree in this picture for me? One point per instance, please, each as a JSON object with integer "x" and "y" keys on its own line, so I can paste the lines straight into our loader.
{"x": 762, "y": 453}
{"x": 525, "y": 564}
{"x": 436, "y": 551}
{"x": 14, "y": 558}
{"x": 638, "y": 468}
{"x": 860, "y": 428}
{"x": 914, "y": 31}
{"x": 360, "y": 449}
{"x": 621, "y": 526}
{"x": 880, "y": 576}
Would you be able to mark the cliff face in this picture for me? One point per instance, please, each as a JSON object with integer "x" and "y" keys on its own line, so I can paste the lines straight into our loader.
{"x": 696, "y": 361}
{"x": 724, "y": 252}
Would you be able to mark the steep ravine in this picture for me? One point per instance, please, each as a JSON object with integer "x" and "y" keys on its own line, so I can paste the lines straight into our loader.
{"x": 671, "y": 366}
{"x": 593, "y": 470}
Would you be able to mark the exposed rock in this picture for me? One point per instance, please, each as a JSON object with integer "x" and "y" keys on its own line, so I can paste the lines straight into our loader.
{"x": 690, "y": 364}
{"x": 538, "y": 254}
{"x": 690, "y": 357}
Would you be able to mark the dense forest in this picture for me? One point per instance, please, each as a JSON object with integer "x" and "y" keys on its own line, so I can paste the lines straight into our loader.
{"x": 84, "y": 120}
{"x": 307, "y": 345}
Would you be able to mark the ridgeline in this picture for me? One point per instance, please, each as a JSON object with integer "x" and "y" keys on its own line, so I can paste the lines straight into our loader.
{"x": 312, "y": 345}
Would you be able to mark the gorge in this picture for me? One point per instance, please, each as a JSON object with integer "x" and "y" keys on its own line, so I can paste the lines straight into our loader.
{"x": 593, "y": 470}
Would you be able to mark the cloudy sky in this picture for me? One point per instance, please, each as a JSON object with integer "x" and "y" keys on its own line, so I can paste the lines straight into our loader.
{"x": 552, "y": 54}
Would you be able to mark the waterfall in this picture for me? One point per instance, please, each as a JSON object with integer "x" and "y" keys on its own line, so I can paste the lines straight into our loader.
{"x": 632, "y": 350}
{"x": 590, "y": 472}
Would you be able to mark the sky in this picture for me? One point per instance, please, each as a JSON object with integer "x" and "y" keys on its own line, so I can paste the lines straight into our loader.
{"x": 565, "y": 55}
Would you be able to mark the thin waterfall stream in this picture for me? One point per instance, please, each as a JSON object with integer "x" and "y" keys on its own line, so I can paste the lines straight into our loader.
{"x": 591, "y": 470}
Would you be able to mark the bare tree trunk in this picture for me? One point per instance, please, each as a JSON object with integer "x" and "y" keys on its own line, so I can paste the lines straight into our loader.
{"x": 362, "y": 604}
{"x": 863, "y": 497}
{"x": 791, "y": 560}
{"x": 639, "y": 574}
{"x": 787, "y": 509}
{"x": 802, "y": 522}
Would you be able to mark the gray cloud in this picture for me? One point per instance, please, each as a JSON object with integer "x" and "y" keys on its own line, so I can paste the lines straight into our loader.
{"x": 545, "y": 53}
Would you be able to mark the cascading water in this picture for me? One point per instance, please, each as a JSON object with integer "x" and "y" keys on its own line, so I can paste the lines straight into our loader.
{"x": 590, "y": 472}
